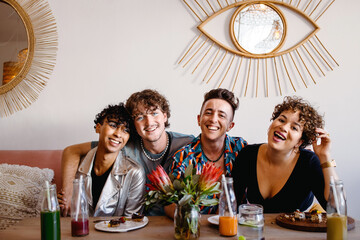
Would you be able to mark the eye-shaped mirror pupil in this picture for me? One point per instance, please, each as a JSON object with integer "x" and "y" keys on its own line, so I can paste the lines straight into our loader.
{"x": 257, "y": 28}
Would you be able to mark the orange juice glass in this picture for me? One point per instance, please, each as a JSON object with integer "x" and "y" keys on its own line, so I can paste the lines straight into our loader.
{"x": 228, "y": 225}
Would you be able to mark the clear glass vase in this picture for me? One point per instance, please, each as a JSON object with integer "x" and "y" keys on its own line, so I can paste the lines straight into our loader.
{"x": 187, "y": 222}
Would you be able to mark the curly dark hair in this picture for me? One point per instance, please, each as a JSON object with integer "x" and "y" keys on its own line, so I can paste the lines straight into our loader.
{"x": 308, "y": 116}
{"x": 223, "y": 94}
{"x": 151, "y": 99}
{"x": 116, "y": 113}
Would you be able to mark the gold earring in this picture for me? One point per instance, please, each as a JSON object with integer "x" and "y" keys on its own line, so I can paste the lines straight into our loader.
{"x": 296, "y": 149}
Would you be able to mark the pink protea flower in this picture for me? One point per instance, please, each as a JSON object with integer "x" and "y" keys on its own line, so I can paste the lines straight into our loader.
{"x": 159, "y": 180}
{"x": 209, "y": 176}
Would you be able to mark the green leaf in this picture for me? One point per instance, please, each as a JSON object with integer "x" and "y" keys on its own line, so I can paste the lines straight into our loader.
{"x": 188, "y": 171}
{"x": 195, "y": 179}
{"x": 185, "y": 200}
{"x": 209, "y": 202}
{"x": 177, "y": 185}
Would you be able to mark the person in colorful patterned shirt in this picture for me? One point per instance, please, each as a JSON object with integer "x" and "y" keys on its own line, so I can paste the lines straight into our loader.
{"x": 213, "y": 144}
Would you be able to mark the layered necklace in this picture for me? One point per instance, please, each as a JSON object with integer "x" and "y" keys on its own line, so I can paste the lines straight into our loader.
{"x": 162, "y": 154}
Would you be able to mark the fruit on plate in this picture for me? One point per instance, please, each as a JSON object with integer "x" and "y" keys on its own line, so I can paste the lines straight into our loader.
{"x": 116, "y": 222}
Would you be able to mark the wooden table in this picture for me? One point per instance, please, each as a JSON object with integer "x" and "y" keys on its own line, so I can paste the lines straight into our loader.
{"x": 160, "y": 227}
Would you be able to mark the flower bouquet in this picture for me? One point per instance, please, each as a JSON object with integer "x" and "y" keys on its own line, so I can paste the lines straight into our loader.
{"x": 191, "y": 190}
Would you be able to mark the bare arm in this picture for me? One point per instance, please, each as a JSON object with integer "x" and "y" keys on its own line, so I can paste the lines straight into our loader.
{"x": 70, "y": 161}
{"x": 323, "y": 152}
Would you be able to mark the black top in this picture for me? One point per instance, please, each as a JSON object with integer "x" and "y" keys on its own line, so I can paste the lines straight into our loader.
{"x": 98, "y": 183}
{"x": 305, "y": 181}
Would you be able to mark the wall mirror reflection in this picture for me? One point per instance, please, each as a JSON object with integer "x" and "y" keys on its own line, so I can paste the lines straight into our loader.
{"x": 258, "y": 28}
{"x": 13, "y": 43}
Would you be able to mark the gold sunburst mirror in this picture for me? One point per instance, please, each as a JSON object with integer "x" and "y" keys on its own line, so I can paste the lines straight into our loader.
{"x": 28, "y": 46}
{"x": 259, "y": 56}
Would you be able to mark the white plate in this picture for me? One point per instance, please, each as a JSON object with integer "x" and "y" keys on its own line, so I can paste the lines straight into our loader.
{"x": 123, "y": 227}
{"x": 214, "y": 220}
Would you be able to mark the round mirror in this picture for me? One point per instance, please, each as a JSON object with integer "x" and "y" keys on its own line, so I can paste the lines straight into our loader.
{"x": 258, "y": 28}
{"x": 13, "y": 43}
{"x": 22, "y": 78}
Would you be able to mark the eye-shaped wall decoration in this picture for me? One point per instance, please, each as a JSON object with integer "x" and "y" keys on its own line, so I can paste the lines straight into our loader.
{"x": 28, "y": 46}
{"x": 258, "y": 55}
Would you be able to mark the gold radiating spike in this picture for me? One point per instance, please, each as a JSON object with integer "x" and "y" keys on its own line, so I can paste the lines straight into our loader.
{"x": 227, "y": 70}
{"x": 326, "y": 50}
{"x": 277, "y": 76}
{"x": 287, "y": 73}
{"x": 298, "y": 4}
{"x": 297, "y": 69}
{"x": 211, "y": 63}
{"x": 324, "y": 10}
{"x": 218, "y": 66}
{"x": 210, "y": 6}
{"x": 195, "y": 52}
{"x": 247, "y": 79}
{"x": 305, "y": 65}
{"x": 315, "y": 8}
{"x": 314, "y": 60}
{"x": 320, "y": 55}
{"x": 201, "y": 7}
{"x": 307, "y": 5}
{"x": 257, "y": 77}
{"x": 237, "y": 74}
{"x": 190, "y": 48}
{"x": 203, "y": 57}
{"x": 267, "y": 86}
{"x": 192, "y": 10}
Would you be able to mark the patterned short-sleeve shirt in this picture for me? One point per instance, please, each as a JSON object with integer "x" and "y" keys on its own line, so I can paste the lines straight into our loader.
{"x": 192, "y": 154}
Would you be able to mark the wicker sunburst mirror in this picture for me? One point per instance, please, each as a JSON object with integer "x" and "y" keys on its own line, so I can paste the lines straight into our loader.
{"x": 259, "y": 56}
{"x": 25, "y": 77}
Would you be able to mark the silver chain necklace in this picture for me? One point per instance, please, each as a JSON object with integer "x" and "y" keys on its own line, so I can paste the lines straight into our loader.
{"x": 154, "y": 159}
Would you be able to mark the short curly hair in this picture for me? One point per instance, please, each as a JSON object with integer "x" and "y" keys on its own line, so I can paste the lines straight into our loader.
{"x": 224, "y": 94}
{"x": 151, "y": 99}
{"x": 117, "y": 113}
{"x": 308, "y": 116}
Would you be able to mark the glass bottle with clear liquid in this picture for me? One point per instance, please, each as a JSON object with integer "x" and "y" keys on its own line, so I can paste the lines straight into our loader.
{"x": 336, "y": 210}
{"x": 79, "y": 210}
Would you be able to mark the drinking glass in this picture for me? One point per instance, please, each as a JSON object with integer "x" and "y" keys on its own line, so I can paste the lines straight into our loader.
{"x": 251, "y": 221}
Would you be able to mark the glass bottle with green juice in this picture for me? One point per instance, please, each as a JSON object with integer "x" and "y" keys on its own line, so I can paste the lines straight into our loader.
{"x": 336, "y": 212}
{"x": 50, "y": 214}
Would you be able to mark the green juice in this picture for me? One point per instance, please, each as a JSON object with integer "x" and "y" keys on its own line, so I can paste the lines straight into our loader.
{"x": 50, "y": 225}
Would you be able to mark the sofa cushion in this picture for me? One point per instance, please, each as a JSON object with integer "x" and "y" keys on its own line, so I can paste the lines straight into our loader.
{"x": 20, "y": 192}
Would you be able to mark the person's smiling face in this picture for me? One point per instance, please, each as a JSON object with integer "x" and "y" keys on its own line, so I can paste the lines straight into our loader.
{"x": 113, "y": 136}
{"x": 285, "y": 131}
{"x": 215, "y": 119}
{"x": 149, "y": 123}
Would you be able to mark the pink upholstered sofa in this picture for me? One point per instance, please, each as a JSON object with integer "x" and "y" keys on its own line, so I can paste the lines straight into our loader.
{"x": 35, "y": 158}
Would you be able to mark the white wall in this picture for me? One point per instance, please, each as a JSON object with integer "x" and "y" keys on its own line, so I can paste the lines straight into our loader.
{"x": 110, "y": 48}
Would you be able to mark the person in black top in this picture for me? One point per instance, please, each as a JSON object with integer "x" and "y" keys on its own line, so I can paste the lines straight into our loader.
{"x": 281, "y": 174}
